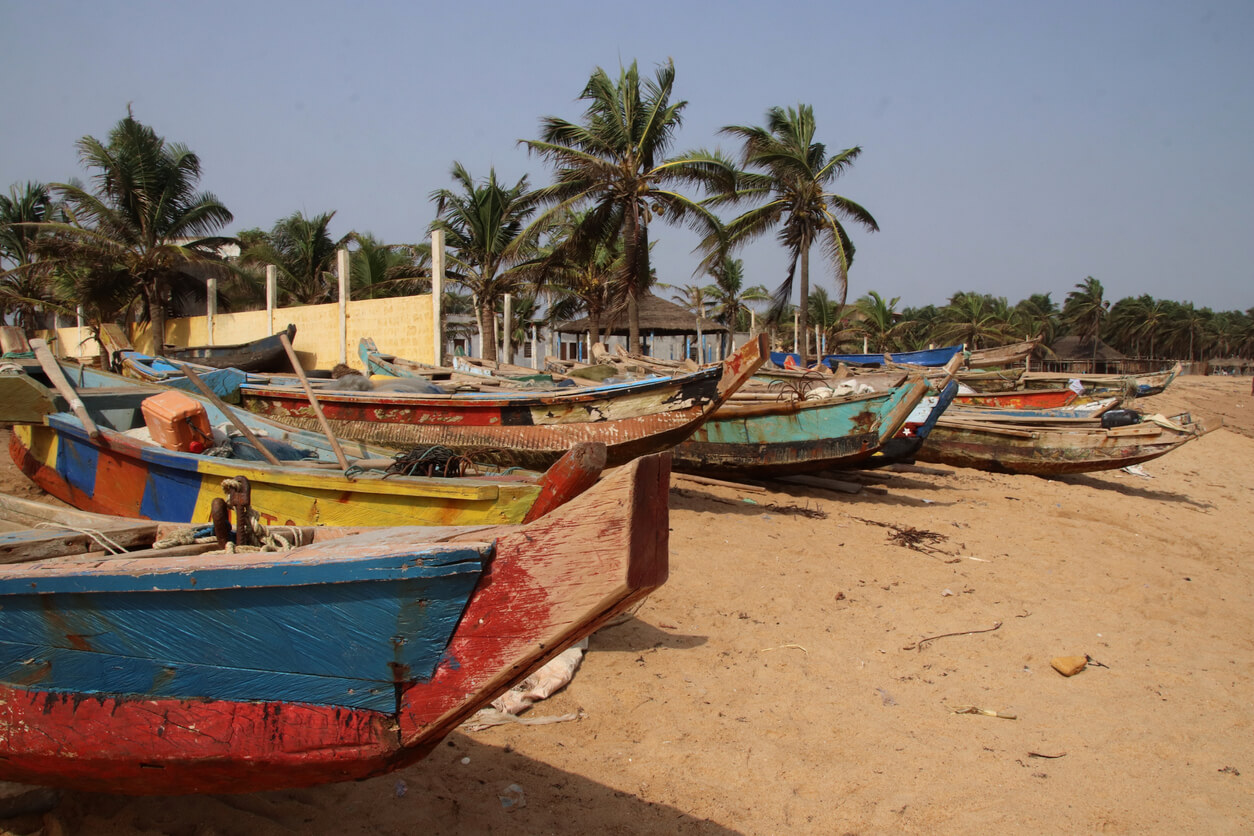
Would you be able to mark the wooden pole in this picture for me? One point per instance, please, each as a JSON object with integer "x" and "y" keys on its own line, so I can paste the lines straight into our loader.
{"x": 228, "y": 412}
{"x": 313, "y": 401}
{"x": 53, "y": 369}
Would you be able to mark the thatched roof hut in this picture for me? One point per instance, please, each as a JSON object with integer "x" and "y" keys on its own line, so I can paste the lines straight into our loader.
{"x": 657, "y": 317}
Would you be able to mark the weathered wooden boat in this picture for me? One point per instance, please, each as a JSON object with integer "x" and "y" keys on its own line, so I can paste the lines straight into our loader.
{"x": 923, "y": 357}
{"x": 121, "y": 471}
{"x": 264, "y": 355}
{"x": 148, "y": 672}
{"x": 1018, "y": 398}
{"x": 1076, "y": 410}
{"x": 529, "y": 429}
{"x": 1048, "y": 449}
{"x": 450, "y": 378}
{"x": 1002, "y": 355}
{"x": 224, "y": 383}
{"x": 778, "y": 434}
{"x": 1124, "y": 385}
{"x": 904, "y": 446}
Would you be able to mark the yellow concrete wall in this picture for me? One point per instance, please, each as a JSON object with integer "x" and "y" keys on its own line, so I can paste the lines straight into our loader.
{"x": 400, "y": 326}
{"x": 71, "y": 341}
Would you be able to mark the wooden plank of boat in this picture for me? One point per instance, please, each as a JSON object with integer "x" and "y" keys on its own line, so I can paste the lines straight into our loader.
{"x": 37, "y": 530}
{"x": 1054, "y": 451}
{"x": 531, "y": 429}
{"x": 340, "y": 660}
{"x": 263, "y": 355}
{"x": 123, "y": 475}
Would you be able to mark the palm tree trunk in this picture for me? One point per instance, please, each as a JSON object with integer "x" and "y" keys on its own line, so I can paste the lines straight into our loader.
{"x": 156, "y": 315}
{"x": 805, "y": 301}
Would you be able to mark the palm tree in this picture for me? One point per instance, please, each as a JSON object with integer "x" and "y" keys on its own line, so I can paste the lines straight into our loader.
{"x": 25, "y": 285}
{"x": 791, "y": 175}
{"x": 879, "y": 321}
{"x": 303, "y": 253}
{"x": 576, "y": 279}
{"x": 693, "y": 298}
{"x": 1085, "y": 311}
{"x": 729, "y": 294}
{"x": 830, "y": 317}
{"x": 379, "y": 270}
{"x": 483, "y": 224}
{"x": 1036, "y": 316}
{"x": 144, "y": 219}
{"x": 972, "y": 318}
{"x": 613, "y": 164}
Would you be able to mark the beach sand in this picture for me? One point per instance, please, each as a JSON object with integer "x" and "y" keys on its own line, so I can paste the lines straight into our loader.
{"x": 778, "y": 682}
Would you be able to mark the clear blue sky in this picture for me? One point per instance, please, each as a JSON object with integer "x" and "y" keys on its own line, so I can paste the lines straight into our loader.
{"x": 1008, "y": 148}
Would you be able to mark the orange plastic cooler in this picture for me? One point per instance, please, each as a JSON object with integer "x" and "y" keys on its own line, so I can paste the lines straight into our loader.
{"x": 175, "y": 421}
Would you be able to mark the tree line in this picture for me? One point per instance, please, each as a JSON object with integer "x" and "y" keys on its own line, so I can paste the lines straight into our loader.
{"x": 137, "y": 242}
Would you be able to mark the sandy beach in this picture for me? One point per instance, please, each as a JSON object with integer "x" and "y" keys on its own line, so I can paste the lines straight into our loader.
{"x": 786, "y": 679}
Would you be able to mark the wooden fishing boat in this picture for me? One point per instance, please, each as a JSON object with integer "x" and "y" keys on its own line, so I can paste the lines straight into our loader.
{"x": 529, "y": 429}
{"x": 923, "y": 357}
{"x": 777, "y": 435}
{"x": 113, "y": 467}
{"x": 264, "y": 355}
{"x": 1019, "y": 398}
{"x": 224, "y": 383}
{"x": 1048, "y": 449}
{"x": 1125, "y": 385}
{"x": 1076, "y": 410}
{"x": 904, "y": 446}
{"x": 1002, "y": 355}
{"x": 451, "y": 378}
{"x": 149, "y": 673}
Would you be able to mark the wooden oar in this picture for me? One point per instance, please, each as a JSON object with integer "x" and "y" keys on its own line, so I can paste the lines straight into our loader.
{"x": 313, "y": 401}
{"x": 228, "y": 412}
{"x": 53, "y": 369}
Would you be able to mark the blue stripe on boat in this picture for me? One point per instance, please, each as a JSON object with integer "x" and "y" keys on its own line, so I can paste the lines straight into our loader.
{"x": 76, "y": 461}
{"x": 311, "y": 626}
{"x": 170, "y": 493}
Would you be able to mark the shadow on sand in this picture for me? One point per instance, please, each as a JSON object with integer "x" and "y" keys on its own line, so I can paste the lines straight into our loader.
{"x": 457, "y": 789}
{"x": 1138, "y": 489}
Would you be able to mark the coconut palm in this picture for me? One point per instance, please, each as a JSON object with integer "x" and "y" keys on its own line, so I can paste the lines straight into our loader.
{"x": 975, "y": 319}
{"x": 729, "y": 294}
{"x": 877, "y": 319}
{"x": 303, "y": 253}
{"x": 580, "y": 278}
{"x": 379, "y": 270}
{"x": 1035, "y": 316}
{"x": 791, "y": 175}
{"x": 25, "y": 281}
{"x": 483, "y": 224}
{"x": 613, "y": 164}
{"x": 143, "y": 220}
{"x": 1085, "y": 311}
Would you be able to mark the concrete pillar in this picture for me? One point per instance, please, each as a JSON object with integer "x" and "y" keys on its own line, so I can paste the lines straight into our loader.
{"x": 79, "y": 336}
{"x": 211, "y": 306}
{"x": 341, "y": 269}
{"x": 507, "y": 347}
{"x": 272, "y": 286}
{"x": 535, "y": 347}
{"x": 796, "y": 324}
{"x": 437, "y": 296}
